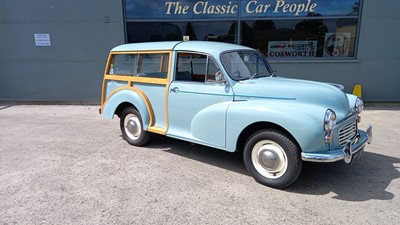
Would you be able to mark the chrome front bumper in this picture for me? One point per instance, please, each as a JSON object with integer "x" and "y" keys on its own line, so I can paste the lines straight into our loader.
{"x": 348, "y": 153}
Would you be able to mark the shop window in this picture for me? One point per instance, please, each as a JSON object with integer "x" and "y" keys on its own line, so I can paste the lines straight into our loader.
{"x": 281, "y": 29}
{"x": 307, "y": 38}
{"x": 223, "y": 31}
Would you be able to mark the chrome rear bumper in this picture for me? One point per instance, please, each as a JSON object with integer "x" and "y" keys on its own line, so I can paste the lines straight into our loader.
{"x": 347, "y": 154}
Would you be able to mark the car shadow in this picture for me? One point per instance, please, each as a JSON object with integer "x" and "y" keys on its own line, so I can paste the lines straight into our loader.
{"x": 218, "y": 158}
{"x": 365, "y": 179}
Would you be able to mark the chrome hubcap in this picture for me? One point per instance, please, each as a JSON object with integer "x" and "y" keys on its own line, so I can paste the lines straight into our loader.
{"x": 269, "y": 159}
{"x": 132, "y": 126}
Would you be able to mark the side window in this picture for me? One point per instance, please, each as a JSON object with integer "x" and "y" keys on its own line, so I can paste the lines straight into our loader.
{"x": 195, "y": 67}
{"x": 153, "y": 65}
{"x": 211, "y": 71}
{"x": 123, "y": 64}
{"x": 140, "y": 65}
{"x": 184, "y": 67}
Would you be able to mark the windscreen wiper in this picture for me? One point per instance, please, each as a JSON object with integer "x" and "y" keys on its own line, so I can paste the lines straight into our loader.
{"x": 257, "y": 75}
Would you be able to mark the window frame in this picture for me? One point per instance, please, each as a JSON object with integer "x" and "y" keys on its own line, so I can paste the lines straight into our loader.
{"x": 138, "y": 79}
{"x": 206, "y": 69}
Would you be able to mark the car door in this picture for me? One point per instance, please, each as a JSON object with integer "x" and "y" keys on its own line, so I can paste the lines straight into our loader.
{"x": 197, "y": 103}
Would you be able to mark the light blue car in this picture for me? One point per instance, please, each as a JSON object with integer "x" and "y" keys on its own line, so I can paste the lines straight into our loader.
{"x": 228, "y": 97}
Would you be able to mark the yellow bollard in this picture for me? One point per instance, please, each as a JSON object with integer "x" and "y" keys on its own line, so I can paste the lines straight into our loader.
{"x": 357, "y": 90}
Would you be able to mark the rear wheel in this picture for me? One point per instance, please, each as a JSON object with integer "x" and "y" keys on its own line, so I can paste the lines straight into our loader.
{"x": 272, "y": 158}
{"x": 131, "y": 125}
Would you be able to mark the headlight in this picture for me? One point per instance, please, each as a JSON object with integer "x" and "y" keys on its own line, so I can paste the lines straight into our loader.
{"x": 359, "y": 105}
{"x": 329, "y": 120}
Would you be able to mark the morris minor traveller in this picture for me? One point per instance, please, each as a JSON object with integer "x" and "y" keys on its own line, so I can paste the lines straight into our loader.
{"x": 228, "y": 97}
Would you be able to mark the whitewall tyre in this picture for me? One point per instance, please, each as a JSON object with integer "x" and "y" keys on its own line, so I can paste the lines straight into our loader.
{"x": 131, "y": 125}
{"x": 272, "y": 158}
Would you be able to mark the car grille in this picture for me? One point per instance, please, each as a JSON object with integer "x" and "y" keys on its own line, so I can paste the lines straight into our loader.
{"x": 347, "y": 132}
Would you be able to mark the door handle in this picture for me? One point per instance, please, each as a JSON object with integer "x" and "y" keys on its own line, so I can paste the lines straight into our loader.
{"x": 175, "y": 89}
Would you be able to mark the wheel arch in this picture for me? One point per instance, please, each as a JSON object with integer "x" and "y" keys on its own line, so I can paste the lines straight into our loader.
{"x": 121, "y": 107}
{"x": 122, "y": 99}
{"x": 252, "y": 128}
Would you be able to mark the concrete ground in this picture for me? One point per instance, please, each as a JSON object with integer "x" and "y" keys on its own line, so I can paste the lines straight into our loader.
{"x": 68, "y": 165}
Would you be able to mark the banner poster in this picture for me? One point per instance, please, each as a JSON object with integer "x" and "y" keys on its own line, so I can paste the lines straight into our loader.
{"x": 337, "y": 44}
{"x": 292, "y": 49}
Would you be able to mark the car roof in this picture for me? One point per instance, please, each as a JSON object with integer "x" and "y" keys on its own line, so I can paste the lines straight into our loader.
{"x": 146, "y": 46}
{"x": 208, "y": 46}
{"x": 196, "y": 46}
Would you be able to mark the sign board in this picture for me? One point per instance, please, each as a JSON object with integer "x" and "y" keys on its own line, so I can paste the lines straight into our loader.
{"x": 233, "y": 9}
{"x": 337, "y": 44}
{"x": 42, "y": 39}
{"x": 292, "y": 49}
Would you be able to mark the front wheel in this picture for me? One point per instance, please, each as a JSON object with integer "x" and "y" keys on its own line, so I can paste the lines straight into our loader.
{"x": 272, "y": 158}
{"x": 132, "y": 127}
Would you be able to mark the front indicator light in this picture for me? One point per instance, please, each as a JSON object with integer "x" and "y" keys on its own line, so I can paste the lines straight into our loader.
{"x": 359, "y": 105}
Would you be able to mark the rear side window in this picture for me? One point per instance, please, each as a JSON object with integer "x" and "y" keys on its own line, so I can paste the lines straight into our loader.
{"x": 151, "y": 65}
{"x": 123, "y": 64}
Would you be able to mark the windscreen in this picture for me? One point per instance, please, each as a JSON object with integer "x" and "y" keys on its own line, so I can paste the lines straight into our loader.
{"x": 242, "y": 65}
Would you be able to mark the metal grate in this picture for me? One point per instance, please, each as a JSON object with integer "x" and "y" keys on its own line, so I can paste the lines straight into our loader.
{"x": 347, "y": 132}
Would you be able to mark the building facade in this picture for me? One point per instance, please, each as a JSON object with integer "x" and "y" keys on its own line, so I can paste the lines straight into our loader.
{"x": 55, "y": 51}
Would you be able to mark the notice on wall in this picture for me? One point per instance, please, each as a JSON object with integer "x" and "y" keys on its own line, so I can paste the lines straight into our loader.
{"x": 292, "y": 49}
{"x": 42, "y": 39}
{"x": 337, "y": 44}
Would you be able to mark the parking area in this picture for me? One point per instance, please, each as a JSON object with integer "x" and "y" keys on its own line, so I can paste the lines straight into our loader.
{"x": 68, "y": 165}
